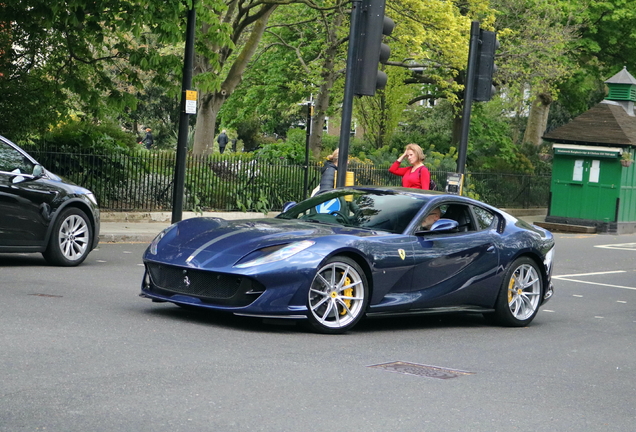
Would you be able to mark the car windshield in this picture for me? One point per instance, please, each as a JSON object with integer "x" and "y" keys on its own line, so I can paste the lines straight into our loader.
{"x": 375, "y": 210}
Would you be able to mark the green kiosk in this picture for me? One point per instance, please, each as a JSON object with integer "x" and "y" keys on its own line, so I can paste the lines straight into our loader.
{"x": 593, "y": 172}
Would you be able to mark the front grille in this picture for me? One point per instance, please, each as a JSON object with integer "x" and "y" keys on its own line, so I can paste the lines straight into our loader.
{"x": 209, "y": 287}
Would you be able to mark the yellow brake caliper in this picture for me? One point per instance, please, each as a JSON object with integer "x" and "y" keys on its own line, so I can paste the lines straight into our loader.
{"x": 347, "y": 292}
{"x": 511, "y": 288}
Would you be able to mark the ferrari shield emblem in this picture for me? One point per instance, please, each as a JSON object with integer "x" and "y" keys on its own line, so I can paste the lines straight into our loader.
{"x": 402, "y": 253}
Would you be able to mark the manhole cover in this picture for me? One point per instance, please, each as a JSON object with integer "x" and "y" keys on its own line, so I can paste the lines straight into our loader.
{"x": 421, "y": 370}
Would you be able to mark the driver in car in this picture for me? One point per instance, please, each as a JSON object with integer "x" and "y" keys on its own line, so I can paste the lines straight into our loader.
{"x": 432, "y": 217}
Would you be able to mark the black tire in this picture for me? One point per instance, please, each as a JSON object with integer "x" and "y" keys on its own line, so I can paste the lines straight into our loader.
{"x": 71, "y": 239}
{"x": 338, "y": 296}
{"x": 520, "y": 294}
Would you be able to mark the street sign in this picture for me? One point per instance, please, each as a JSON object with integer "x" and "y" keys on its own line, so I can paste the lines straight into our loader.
{"x": 190, "y": 102}
{"x": 329, "y": 206}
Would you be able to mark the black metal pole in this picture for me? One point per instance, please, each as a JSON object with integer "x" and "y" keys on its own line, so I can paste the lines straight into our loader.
{"x": 347, "y": 102}
{"x": 182, "y": 141}
{"x": 468, "y": 96}
{"x": 307, "y": 135}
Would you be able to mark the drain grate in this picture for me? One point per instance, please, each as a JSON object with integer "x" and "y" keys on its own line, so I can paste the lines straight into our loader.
{"x": 45, "y": 295}
{"x": 421, "y": 370}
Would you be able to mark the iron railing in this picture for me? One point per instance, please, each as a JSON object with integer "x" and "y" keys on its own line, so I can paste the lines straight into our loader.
{"x": 143, "y": 181}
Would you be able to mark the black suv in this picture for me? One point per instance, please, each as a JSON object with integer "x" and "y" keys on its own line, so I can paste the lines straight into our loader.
{"x": 39, "y": 212}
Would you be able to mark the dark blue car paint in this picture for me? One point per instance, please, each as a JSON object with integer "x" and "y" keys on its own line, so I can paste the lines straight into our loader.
{"x": 438, "y": 271}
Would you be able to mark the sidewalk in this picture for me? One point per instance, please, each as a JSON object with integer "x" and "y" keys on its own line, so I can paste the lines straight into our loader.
{"x": 121, "y": 227}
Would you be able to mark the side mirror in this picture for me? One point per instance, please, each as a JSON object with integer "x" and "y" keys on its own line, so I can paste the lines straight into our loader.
{"x": 441, "y": 225}
{"x": 38, "y": 171}
{"x": 288, "y": 205}
{"x": 444, "y": 225}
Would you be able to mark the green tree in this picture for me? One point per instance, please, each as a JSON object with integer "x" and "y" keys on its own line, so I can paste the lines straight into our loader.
{"x": 379, "y": 115}
{"x": 56, "y": 56}
{"x": 604, "y": 46}
{"x": 534, "y": 56}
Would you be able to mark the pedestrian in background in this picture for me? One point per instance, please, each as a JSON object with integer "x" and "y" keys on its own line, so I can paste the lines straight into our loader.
{"x": 328, "y": 173}
{"x": 222, "y": 140}
{"x": 148, "y": 140}
{"x": 417, "y": 175}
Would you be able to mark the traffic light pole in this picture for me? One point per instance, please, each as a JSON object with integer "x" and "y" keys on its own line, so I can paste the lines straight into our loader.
{"x": 469, "y": 88}
{"x": 347, "y": 102}
{"x": 307, "y": 138}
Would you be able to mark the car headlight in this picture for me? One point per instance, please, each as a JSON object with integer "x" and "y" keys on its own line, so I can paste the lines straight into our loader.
{"x": 279, "y": 254}
{"x": 92, "y": 198}
{"x": 155, "y": 242}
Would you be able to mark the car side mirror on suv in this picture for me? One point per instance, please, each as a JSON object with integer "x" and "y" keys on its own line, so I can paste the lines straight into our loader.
{"x": 38, "y": 171}
{"x": 19, "y": 177}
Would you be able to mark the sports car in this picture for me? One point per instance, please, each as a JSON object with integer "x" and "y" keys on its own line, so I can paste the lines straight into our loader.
{"x": 354, "y": 252}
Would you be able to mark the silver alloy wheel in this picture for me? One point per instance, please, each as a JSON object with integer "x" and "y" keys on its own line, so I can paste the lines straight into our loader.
{"x": 336, "y": 296}
{"x": 73, "y": 237}
{"x": 524, "y": 292}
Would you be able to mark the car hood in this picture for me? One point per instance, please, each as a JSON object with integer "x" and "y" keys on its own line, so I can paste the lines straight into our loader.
{"x": 199, "y": 242}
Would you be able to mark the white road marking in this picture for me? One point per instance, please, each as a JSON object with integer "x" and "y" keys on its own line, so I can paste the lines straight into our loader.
{"x": 589, "y": 274}
{"x": 622, "y": 246}
{"x": 594, "y": 283}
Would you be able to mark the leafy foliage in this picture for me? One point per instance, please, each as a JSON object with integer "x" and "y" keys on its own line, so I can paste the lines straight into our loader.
{"x": 65, "y": 49}
{"x": 84, "y": 137}
{"x": 291, "y": 150}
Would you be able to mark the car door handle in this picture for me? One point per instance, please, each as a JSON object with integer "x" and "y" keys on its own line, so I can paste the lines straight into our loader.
{"x": 491, "y": 249}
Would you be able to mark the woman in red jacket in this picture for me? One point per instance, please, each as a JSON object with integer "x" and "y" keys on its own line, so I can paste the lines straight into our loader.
{"x": 417, "y": 175}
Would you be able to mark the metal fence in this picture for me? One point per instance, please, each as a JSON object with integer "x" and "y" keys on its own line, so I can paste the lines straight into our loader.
{"x": 143, "y": 181}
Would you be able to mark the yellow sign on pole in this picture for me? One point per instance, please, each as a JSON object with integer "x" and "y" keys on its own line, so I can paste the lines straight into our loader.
{"x": 190, "y": 101}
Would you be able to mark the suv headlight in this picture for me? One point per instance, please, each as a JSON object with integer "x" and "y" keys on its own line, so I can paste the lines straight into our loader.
{"x": 91, "y": 198}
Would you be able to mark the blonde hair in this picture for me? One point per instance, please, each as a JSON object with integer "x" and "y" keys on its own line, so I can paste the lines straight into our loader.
{"x": 333, "y": 156}
{"x": 416, "y": 149}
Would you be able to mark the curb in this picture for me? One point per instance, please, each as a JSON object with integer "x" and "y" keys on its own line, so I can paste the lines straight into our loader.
{"x": 166, "y": 217}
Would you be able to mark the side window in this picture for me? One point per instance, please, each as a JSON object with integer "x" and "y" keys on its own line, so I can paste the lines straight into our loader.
{"x": 431, "y": 217}
{"x": 12, "y": 160}
{"x": 485, "y": 218}
{"x": 461, "y": 214}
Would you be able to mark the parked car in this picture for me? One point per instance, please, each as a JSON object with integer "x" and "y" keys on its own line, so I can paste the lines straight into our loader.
{"x": 351, "y": 252}
{"x": 40, "y": 212}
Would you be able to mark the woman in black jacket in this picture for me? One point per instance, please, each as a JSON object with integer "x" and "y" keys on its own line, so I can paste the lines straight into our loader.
{"x": 328, "y": 172}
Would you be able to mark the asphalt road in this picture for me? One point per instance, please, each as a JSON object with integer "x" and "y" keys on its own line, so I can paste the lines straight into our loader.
{"x": 80, "y": 351}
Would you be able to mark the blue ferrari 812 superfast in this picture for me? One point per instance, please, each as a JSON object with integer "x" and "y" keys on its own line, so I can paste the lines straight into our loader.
{"x": 357, "y": 252}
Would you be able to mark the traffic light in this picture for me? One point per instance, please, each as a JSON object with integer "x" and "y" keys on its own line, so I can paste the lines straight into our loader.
{"x": 370, "y": 50}
{"x": 488, "y": 44}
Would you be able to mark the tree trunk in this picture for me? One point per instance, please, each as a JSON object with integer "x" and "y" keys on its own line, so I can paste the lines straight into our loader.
{"x": 211, "y": 102}
{"x": 320, "y": 110}
{"x": 209, "y": 106}
{"x": 457, "y": 130}
{"x": 323, "y": 98}
{"x": 538, "y": 119}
